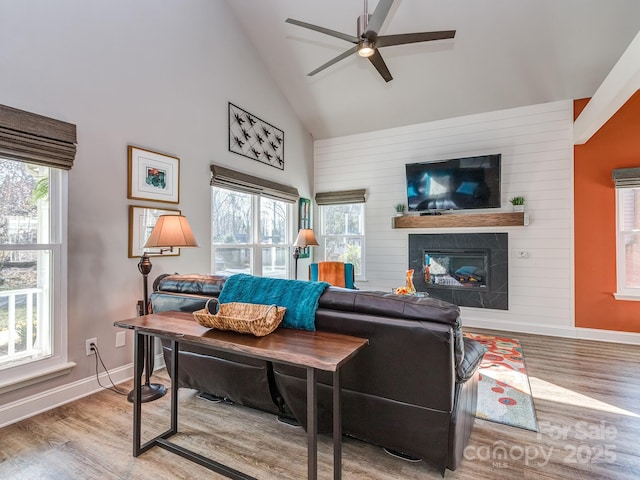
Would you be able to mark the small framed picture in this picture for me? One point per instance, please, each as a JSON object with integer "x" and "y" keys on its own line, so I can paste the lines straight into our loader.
{"x": 153, "y": 176}
{"x": 141, "y": 222}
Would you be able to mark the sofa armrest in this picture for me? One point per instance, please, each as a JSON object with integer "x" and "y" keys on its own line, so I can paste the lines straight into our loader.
{"x": 473, "y": 353}
{"x": 194, "y": 283}
{"x": 177, "y": 302}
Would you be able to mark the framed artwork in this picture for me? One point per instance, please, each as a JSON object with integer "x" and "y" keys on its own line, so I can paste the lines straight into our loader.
{"x": 304, "y": 221}
{"x": 254, "y": 138}
{"x": 141, "y": 222}
{"x": 153, "y": 176}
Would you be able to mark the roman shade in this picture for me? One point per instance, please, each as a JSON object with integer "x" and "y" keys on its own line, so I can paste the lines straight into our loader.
{"x": 341, "y": 197}
{"x": 226, "y": 178}
{"x": 33, "y": 138}
{"x": 626, "y": 177}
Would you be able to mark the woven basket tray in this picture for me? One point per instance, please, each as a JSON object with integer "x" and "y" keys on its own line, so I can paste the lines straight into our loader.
{"x": 260, "y": 320}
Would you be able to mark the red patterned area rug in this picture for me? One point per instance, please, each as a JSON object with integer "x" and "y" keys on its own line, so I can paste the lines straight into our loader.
{"x": 504, "y": 393}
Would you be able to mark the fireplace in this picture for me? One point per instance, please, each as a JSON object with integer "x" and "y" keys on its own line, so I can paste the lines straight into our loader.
{"x": 467, "y": 269}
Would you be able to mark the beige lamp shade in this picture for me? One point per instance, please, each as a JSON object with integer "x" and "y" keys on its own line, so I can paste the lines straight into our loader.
{"x": 305, "y": 238}
{"x": 171, "y": 231}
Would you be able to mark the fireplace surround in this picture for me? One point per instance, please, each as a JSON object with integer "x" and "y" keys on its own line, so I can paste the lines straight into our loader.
{"x": 466, "y": 269}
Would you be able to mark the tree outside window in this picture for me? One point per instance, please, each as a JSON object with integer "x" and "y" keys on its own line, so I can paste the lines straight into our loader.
{"x": 25, "y": 256}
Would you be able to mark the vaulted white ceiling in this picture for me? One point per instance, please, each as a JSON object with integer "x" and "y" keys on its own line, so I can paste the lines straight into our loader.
{"x": 506, "y": 53}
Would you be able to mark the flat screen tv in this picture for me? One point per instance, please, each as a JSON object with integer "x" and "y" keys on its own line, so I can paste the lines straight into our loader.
{"x": 455, "y": 184}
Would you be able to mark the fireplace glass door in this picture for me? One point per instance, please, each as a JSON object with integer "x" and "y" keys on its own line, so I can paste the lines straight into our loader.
{"x": 456, "y": 268}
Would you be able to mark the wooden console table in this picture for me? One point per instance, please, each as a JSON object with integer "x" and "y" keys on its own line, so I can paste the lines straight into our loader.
{"x": 312, "y": 350}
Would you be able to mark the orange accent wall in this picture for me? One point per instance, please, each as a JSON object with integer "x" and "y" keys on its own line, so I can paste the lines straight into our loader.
{"x": 615, "y": 145}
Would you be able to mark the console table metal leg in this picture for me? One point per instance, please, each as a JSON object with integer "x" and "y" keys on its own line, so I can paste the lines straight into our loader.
{"x": 312, "y": 424}
{"x": 175, "y": 347}
{"x": 337, "y": 427}
{"x": 138, "y": 362}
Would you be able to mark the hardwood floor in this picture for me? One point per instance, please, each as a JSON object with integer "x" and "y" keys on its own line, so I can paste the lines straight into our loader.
{"x": 587, "y": 398}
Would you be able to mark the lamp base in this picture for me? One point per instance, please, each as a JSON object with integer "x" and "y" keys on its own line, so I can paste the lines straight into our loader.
{"x": 149, "y": 393}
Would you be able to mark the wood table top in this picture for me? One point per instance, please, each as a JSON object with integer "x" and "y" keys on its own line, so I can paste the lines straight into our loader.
{"x": 321, "y": 350}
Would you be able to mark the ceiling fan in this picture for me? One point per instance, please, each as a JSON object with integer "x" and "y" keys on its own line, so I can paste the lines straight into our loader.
{"x": 368, "y": 41}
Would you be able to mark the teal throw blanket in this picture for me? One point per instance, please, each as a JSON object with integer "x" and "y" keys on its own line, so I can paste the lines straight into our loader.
{"x": 300, "y": 297}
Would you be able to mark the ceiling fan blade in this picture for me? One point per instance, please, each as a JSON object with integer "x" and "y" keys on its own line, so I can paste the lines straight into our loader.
{"x": 343, "y": 55}
{"x": 326, "y": 31}
{"x": 404, "y": 38}
{"x": 378, "y": 17}
{"x": 378, "y": 62}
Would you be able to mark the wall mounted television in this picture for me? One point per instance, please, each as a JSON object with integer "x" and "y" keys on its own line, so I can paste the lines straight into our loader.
{"x": 454, "y": 184}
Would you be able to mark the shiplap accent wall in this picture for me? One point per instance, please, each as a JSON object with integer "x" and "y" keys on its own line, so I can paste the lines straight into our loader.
{"x": 536, "y": 143}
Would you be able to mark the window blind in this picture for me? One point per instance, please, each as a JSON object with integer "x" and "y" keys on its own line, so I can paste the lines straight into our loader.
{"x": 626, "y": 177}
{"x": 33, "y": 138}
{"x": 226, "y": 178}
{"x": 341, "y": 197}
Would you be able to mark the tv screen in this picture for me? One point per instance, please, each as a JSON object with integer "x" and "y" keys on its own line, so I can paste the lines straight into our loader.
{"x": 456, "y": 184}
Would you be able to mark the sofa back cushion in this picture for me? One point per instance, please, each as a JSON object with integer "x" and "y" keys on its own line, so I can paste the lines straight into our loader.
{"x": 406, "y": 361}
{"x": 390, "y": 305}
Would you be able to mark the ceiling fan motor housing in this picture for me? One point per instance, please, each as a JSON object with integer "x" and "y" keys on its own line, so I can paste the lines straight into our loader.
{"x": 363, "y": 22}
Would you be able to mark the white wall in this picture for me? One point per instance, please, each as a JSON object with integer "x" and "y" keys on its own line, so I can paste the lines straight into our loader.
{"x": 537, "y": 162}
{"x": 150, "y": 73}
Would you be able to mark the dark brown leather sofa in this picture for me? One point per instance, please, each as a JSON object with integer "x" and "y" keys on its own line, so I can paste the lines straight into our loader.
{"x": 413, "y": 389}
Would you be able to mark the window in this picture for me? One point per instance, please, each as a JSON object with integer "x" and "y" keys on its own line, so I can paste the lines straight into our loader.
{"x": 342, "y": 227}
{"x": 250, "y": 234}
{"x": 628, "y": 243}
{"x": 342, "y": 234}
{"x": 35, "y": 154}
{"x": 31, "y": 255}
{"x": 250, "y": 223}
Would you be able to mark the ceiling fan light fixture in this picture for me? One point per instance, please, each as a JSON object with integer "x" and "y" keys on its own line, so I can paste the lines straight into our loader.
{"x": 366, "y": 48}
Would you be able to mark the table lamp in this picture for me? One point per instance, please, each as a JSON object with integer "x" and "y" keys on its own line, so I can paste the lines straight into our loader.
{"x": 305, "y": 239}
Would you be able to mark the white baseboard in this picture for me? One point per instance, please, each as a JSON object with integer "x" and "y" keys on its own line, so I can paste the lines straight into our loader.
{"x": 554, "y": 331}
{"x": 608, "y": 336}
{"x": 29, "y": 406}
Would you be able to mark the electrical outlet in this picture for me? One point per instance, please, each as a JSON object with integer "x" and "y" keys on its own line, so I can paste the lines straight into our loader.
{"x": 87, "y": 346}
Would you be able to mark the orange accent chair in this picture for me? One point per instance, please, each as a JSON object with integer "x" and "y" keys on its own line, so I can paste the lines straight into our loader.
{"x": 339, "y": 274}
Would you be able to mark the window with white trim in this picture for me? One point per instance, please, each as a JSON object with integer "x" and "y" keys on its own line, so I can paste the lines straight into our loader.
{"x": 250, "y": 234}
{"x": 35, "y": 154}
{"x": 628, "y": 243}
{"x": 342, "y": 229}
{"x": 251, "y": 221}
{"x": 32, "y": 320}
